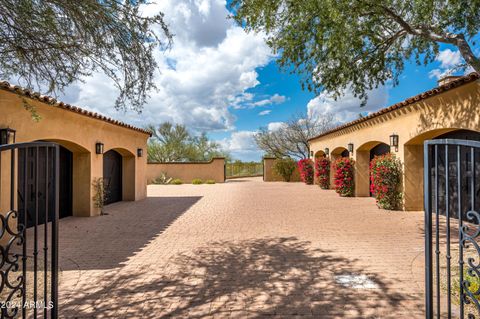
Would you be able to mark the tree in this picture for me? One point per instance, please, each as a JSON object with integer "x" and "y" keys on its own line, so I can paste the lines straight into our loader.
{"x": 291, "y": 140}
{"x": 359, "y": 44}
{"x": 54, "y": 43}
{"x": 174, "y": 143}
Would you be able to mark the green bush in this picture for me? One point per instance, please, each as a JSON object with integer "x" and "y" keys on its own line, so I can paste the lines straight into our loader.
{"x": 176, "y": 181}
{"x": 197, "y": 181}
{"x": 210, "y": 181}
{"x": 285, "y": 168}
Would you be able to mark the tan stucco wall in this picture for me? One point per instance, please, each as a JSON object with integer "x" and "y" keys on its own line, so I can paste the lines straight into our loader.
{"x": 269, "y": 174}
{"x": 214, "y": 169}
{"x": 78, "y": 133}
{"x": 458, "y": 108}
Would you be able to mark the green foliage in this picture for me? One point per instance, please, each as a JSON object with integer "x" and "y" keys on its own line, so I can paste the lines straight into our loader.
{"x": 359, "y": 45}
{"x": 285, "y": 168}
{"x": 197, "y": 181}
{"x": 210, "y": 181}
{"x": 174, "y": 143}
{"x": 163, "y": 179}
{"x": 56, "y": 43}
{"x": 176, "y": 181}
{"x": 239, "y": 168}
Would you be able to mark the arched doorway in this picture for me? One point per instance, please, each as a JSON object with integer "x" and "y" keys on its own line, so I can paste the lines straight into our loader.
{"x": 112, "y": 176}
{"x": 380, "y": 149}
{"x": 413, "y": 164}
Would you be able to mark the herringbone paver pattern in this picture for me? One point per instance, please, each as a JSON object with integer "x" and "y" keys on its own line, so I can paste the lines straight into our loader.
{"x": 242, "y": 249}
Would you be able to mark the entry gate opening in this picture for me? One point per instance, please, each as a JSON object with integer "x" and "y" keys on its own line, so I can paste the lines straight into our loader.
{"x": 29, "y": 210}
{"x": 452, "y": 228}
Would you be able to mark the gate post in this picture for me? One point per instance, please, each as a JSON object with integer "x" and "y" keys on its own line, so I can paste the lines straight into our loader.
{"x": 428, "y": 232}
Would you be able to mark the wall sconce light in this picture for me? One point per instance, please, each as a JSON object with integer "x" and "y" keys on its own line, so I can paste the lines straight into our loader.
{"x": 139, "y": 152}
{"x": 350, "y": 147}
{"x": 311, "y": 153}
{"x": 394, "y": 141}
{"x": 7, "y": 136}
{"x": 99, "y": 148}
{"x": 327, "y": 151}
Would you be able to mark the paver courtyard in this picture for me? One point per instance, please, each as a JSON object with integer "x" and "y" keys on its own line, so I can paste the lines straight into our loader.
{"x": 245, "y": 248}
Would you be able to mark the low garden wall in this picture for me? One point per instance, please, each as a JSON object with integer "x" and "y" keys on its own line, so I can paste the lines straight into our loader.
{"x": 269, "y": 174}
{"x": 187, "y": 171}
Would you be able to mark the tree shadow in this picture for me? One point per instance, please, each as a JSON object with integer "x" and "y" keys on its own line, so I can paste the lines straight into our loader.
{"x": 250, "y": 278}
{"x": 106, "y": 242}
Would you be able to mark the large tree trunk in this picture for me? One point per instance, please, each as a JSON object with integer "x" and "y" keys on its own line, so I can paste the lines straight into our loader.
{"x": 467, "y": 53}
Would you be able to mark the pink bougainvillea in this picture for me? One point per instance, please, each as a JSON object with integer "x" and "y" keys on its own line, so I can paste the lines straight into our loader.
{"x": 343, "y": 176}
{"x": 385, "y": 181}
{"x": 322, "y": 172}
{"x": 305, "y": 167}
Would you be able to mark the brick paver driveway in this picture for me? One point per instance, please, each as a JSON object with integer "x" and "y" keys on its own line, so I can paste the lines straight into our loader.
{"x": 242, "y": 249}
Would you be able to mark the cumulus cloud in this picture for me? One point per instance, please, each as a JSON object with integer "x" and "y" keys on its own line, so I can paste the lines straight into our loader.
{"x": 347, "y": 107}
{"x": 449, "y": 63}
{"x": 274, "y": 126}
{"x": 244, "y": 101}
{"x": 266, "y": 112}
{"x": 241, "y": 145}
{"x": 209, "y": 68}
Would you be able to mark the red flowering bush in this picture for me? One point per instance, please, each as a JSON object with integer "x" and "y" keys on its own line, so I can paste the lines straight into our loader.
{"x": 305, "y": 167}
{"x": 343, "y": 176}
{"x": 322, "y": 171}
{"x": 385, "y": 181}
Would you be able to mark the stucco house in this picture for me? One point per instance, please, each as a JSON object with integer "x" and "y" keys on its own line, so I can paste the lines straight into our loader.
{"x": 451, "y": 110}
{"x": 91, "y": 146}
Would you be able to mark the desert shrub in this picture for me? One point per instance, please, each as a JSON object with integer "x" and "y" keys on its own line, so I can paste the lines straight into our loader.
{"x": 176, "y": 181}
{"x": 284, "y": 167}
{"x": 197, "y": 181}
{"x": 100, "y": 194}
{"x": 305, "y": 167}
{"x": 163, "y": 179}
{"x": 322, "y": 171}
{"x": 343, "y": 176}
{"x": 385, "y": 181}
{"x": 210, "y": 181}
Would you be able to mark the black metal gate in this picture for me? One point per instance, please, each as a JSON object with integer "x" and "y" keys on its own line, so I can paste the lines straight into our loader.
{"x": 452, "y": 218}
{"x": 29, "y": 204}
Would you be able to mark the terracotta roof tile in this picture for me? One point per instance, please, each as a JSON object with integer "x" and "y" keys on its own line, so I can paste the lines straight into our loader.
{"x": 4, "y": 85}
{"x": 443, "y": 88}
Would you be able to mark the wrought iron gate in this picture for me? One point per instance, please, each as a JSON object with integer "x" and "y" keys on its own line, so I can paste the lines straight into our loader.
{"x": 29, "y": 204}
{"x": 452, "y": 218}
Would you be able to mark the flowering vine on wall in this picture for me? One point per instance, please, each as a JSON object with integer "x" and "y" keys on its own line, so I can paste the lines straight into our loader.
{"x": 343, "y": 176}
{"x": 322, "y": 172}
{"x": 385, "y": 181}
{"x": 305, "y": 167}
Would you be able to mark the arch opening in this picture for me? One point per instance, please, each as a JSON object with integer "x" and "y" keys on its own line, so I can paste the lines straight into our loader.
{"x": 413, "y": 164}
{"x": 364, "y": 154}
{"x": 119, "y": 175}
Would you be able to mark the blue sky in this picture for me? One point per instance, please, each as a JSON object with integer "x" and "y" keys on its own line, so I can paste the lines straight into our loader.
{"x": 218, "y": 79}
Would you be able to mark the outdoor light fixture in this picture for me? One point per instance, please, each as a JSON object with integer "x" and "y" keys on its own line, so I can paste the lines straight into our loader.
{"x": 99, "y": 148}
{"x": 394, "y": 141}
{"x": 327, "y": 151}
{"x": 311, "y": 153}
{"x": 7, "y": 136}
{"x": 139, "y": 152}
{"x": 350, "y": 147}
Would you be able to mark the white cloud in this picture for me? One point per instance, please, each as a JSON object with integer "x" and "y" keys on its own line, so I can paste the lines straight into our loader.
{"x": 448, "y": 58}
{"x": 209, "y": 68}
{"x": 273, "y": 126}
{"x": 266, "y": 112}
{"x": 449, "y": 62}
{"x": 347, "y": 107}
{"x": 241, "y": 145}
{"x": 241, "y": 102}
